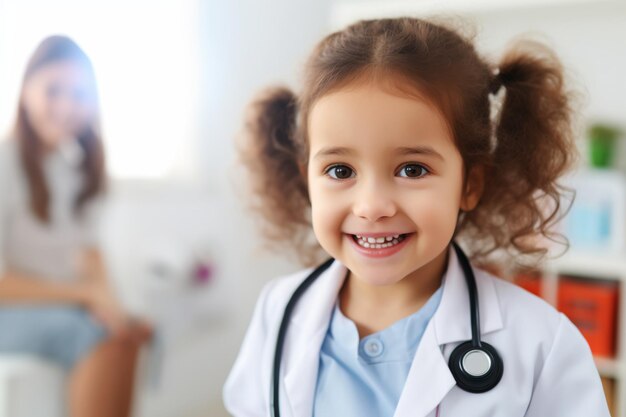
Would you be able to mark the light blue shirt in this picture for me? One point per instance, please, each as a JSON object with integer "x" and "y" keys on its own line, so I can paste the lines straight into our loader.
{"x": 363, "y": 378}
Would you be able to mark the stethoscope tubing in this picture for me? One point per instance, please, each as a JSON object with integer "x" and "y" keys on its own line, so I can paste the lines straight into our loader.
{"x": 301, "y": 289}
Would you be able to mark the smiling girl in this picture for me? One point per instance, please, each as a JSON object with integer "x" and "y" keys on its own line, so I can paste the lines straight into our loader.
{"x": 391, "y": 154}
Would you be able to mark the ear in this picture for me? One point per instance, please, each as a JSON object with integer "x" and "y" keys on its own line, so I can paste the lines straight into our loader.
{"x": 474, "y": 186}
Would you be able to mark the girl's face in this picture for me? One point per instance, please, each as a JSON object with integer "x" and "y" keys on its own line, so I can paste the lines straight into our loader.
{"x": 385, "y": 181}
{"x": 58, "y": 101}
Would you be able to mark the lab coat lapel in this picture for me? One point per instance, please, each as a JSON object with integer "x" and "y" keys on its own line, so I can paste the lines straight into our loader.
{"x": 429, "y": 378}
{"x": 452, "y": 318}
{"x": 306, "y": 334}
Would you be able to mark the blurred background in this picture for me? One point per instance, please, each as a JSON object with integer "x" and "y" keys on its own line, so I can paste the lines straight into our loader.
{"x": 174, "y": 78}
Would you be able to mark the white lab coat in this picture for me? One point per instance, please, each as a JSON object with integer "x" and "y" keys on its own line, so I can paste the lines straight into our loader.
{"x": 548, "y": 367}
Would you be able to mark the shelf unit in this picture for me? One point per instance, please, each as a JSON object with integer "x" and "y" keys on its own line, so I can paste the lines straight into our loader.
{"x": 602, "y": 267}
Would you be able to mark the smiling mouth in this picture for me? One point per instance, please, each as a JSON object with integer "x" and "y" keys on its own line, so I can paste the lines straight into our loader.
{"x": 380, "y": 242}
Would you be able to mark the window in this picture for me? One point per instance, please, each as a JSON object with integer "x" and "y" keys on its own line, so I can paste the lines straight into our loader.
{"x": 147, "y": 63}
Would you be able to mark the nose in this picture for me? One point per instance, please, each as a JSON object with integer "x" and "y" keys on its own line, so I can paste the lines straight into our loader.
{"x": 374, "y": 202}
{"x": 61, "y": 108}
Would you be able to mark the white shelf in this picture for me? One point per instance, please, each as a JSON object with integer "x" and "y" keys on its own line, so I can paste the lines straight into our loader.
{"x": 590, "y": 265}
{"x": 607, "y": 367}
{"x": 346, "y": 12}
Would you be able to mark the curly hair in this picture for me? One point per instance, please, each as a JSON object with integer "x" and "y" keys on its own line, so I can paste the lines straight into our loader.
{"x": 523, "y": 151}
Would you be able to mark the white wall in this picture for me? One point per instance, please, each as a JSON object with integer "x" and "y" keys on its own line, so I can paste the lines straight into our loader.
{"x": 146, "y": 59}
{"x": 589, "y": 38}
{"x": 246, "y": 45}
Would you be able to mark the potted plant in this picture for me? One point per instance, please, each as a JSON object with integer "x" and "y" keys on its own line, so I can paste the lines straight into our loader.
{"x": 602, "y": 139}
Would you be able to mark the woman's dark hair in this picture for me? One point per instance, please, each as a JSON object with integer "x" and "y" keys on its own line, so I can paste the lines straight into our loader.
{"x": 522, "y": 153}
{"x": 50, "y": 50}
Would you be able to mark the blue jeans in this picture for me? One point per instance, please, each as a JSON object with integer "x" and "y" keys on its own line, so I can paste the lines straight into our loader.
{"x": 59, "y": 333}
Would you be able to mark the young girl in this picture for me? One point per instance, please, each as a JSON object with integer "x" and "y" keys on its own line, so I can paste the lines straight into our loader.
{"x": 55, "y": 298}
{"x": 392, "y": 154}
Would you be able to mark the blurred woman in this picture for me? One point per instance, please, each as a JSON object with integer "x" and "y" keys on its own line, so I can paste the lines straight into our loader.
{"x": 55, "y": 299}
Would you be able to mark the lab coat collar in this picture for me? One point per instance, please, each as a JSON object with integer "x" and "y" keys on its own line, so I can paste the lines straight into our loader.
{"x": 452, "y": 319}
{"x": 309, "y": 323}
{"x": 429, "y": 378}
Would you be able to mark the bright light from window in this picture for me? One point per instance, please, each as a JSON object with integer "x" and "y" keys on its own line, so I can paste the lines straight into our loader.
{"x": 147, "y": 63}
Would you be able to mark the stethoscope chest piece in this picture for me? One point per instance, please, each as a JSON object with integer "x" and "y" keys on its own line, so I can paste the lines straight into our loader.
{"x": 476, "y": 369}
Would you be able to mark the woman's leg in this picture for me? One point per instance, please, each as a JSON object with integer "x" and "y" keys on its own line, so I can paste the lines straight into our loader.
{"x": 101, "y": 384}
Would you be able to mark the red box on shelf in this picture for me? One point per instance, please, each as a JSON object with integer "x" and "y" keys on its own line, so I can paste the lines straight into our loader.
{"x": 591, "y": 305}
{"x": 531, "y": 282}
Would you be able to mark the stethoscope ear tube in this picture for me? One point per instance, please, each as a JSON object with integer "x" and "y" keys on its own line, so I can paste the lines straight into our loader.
{"x": 472, "y": 292}
{"x": 282, "y": 332}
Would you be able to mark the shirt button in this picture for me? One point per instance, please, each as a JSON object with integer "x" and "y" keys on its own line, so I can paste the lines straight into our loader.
{"x": 373, "y": 348}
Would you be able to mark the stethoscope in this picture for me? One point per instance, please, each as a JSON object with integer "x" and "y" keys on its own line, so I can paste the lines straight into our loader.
{"x": 475, "y": 365}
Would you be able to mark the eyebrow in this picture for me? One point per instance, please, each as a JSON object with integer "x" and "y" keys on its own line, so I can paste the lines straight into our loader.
{"x": 405, "y": 150}
{"x": 333, "y": 150}
{"x": 420, "y": 150}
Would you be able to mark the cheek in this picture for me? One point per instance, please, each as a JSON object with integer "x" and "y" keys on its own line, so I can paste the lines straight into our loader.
{"x": 435, "y": 212}
{"x": 36, "y": 105}
{"x": 81, "y": 116}
{"x": 327, "y": 215}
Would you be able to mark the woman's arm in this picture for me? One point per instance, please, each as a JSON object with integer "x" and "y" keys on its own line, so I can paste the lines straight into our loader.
{"x": 20, "y": 288}
{"x": 92, "y": 291}
{"x": 16, "y": 287}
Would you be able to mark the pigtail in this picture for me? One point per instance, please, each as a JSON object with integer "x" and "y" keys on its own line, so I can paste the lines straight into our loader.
{"x": 534, "y": 144}
{"x": 274, "y": 157}
{"x": 515, "y": 155}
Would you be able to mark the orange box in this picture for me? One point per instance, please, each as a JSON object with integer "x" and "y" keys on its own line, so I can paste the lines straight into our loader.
{"x": 531, "y": 282}
{"x": 609, "y": 392}
{"x": 592, "y": 306}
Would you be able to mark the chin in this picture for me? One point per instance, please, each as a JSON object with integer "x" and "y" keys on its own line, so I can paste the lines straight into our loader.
{"x": 377, "y": 275}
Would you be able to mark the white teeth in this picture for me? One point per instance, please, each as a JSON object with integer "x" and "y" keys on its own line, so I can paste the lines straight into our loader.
{"x": 379, "y": 242}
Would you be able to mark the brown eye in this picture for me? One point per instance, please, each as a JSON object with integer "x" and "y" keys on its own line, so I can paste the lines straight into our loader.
{"x": 340, "y": 172}
{"x": 412, "y": 171}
